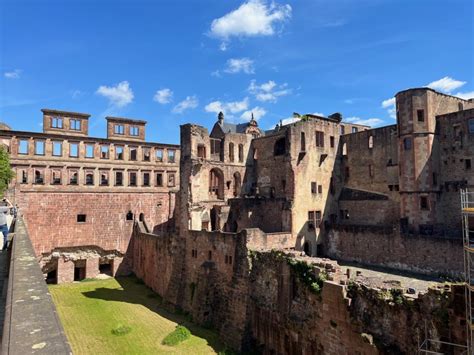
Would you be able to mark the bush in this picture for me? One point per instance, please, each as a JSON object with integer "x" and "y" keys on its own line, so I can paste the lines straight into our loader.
{"x": 180, "y": 334}
{"x": 121, "y": 330}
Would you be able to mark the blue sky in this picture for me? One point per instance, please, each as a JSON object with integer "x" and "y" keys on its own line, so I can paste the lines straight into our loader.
{"x": 174, "y": 62}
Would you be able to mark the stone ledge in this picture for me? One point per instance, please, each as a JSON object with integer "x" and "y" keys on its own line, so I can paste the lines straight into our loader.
{"x": 31, "y": 324}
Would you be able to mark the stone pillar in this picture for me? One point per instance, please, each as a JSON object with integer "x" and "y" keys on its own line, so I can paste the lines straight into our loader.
{"x": 65, "y": 271}
{"x": 92, "y": 268}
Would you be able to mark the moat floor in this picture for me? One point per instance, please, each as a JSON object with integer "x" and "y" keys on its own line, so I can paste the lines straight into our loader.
{"x": 90, "y": 310}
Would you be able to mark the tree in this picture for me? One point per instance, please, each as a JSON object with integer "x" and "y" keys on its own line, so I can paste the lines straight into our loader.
{"x": 6, "y": 172}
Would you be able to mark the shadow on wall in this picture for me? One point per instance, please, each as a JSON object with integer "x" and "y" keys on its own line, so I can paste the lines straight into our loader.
{"x": 135, "y": 292}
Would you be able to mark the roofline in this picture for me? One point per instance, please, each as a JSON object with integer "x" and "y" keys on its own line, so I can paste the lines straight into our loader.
{"x": 84, "y": 138}
{"x": 125, "y": 119}
{"x": 60, "y": 112}
{"x": 468, "y": 110}
{"x": 430, "y": 89}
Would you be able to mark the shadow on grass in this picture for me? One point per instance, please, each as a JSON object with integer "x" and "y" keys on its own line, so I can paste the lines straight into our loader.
{"x": 135, "y": 292}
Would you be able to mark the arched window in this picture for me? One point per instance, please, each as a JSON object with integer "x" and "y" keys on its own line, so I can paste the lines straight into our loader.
{"x": 231, "y": 152}
{"x": 371, "y": 142}
{"x": 280, "y": 147}
{"x": 237, "y": 184}
{"x": 241, "y": 153}
{"x": 141, "y": 217}
{"x": 216, "y": 184}
{"x": 89, "y": 179}
{"x": 344, "y": 149}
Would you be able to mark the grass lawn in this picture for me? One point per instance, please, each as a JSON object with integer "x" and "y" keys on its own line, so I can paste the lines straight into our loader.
{"x": 91, "y": 310}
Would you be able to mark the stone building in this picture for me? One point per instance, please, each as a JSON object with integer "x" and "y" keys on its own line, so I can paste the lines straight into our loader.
{"x": 80, "y": 195}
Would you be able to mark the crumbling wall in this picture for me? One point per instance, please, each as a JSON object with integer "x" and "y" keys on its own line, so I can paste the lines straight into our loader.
{"x": 385, "y": 246}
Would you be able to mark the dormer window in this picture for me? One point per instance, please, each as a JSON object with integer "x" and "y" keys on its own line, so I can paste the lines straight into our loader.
{"x": 75, "y": 125}
{"x": 57, "y": 122}
{"x": 118, "y": 129}
{"x": 134, "y": 131}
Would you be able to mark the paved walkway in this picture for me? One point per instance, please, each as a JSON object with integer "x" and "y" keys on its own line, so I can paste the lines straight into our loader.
{"x": 4, "y": 268}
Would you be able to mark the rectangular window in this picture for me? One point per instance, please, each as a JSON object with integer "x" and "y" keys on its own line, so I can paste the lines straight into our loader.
{"x": 24, "y": 176}
{"x": 104, "y": 152}
{"x": 146, "y": 179}
{"x": 39, "y": 176}
{"x": 320, "y": 189}
{"x": 343, "y": 130}
{"x": 171, "y": 156}
{"x": 56, "y": 177}
{"x": 215, "y": 146}
{"x": 74, "y": 150}
{"x": 317, "y": 219}
{"x": 134, "y": 131}
{"x": 73, "y": 177}
{"x": 311, "y": 219}
{"x": 56, "y": 122}
{"x": 424, "y": 203}
{"x": 201, "y": 151}
{"x": 302, "y": 142}
{"x": 132, "y": 179}
{"x": 471, "y": 125}
{"x": 146, "y": 154}
{"x": 75, "y": 125}
{"x": 23, "y": 146}
{"x": 355, "y": 129}
{"x": 118, "y": 129}
{"x": 89, "y": 178}
{"x": 331, "y": 141}
{"x": 407, "y": 143}
{"x": 319, "y": 139}
{"x": 171, "y": 180}
{"x": 57, "y": 149}
{"x": 39, "y": 147}
{"x": 420, "y": 114}
{"x": 89, "y": 151}
{"x": 159, "y": 155}
{"x": 118, "y": 178}
{"x": 133, "y": 153}
{"x": 313, "y": 187}
{"x": 118, "y": 152}
{"x": 159, "y": 179}
{"x": 81, "y": 218}
{"x": 467, "y": 164}
{"x": 104, "y": 178}
{"x": 347, "y": 172}
{"x": 371, "y": 170}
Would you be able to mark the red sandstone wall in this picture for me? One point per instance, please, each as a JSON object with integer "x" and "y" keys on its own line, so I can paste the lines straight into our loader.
{"x": 425, "y": 254}
{"x": 52, "y": 218}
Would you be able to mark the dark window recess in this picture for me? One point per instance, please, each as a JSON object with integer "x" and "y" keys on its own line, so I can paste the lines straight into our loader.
{"x": 129, "y": 216}
{"x": 81, "y": 218}
{"x": 347, "y": 172}
{"x": 420, "y": 114}
{"x": 320, "y": 189}
{"x": 435, "y": 179}
{"x": 201, "y": 151}
{"x": 146, "y": 179}
{"x": 467, "y": 164}
{"x": 159, "y": 179}
{"x": 424, "y": 203}
{"x": 303, "y": 142}
{"x": 331, "y": 141}
{"x": 280, "y": 147}
{"x": 407, "y": 143}
{"x": 209, "y": 255}
{"x": 313, "y": 187}
{"x": 319, "y": 139}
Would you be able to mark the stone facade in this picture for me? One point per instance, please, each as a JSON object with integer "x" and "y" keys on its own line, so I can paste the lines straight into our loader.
{"x": 77, "y": 191}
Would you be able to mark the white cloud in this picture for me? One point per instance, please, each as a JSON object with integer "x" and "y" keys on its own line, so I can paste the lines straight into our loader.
{"x": 76, "y": 94}
{"x": 119, "y": 95}
{"x": 163, "y": 96}
{"x": 252, "y": 18}
{"x": 446, "y": 84}
{"x": 13, "y": 74}
{"x": 216, "y": 73}
{"x": 266, "y": 92}
{"x": 365, "y": 122}
{"x": 227, "y": 107}
{"x": 389, "y": 104}
{"x": 237, "y": 65}
{"x": 465, "y": 95}
{"x": 189, "y": 103}
{"x": 258, "y": 113}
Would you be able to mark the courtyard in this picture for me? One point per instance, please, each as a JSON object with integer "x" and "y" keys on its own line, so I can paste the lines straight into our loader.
{"x": 123, "y": 316}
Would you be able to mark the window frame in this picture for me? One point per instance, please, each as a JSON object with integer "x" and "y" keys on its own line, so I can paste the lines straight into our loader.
{"x": 75, "y": 124}
{"x": 90, "y": 145}
{"x": 57, "y": 122}
{"x": 119, "y": 129}
{"x": 27, "y": 142}
{"x": 133, "y": 129}
{"x": 73, "y": 144}
{"x": 43, "y": 144}
{"x": 54, "y": 145}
